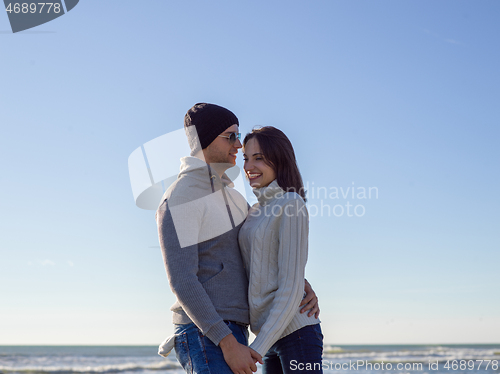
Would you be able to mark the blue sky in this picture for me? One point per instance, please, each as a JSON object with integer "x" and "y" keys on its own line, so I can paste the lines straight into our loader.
{"x": 401, "y": 96}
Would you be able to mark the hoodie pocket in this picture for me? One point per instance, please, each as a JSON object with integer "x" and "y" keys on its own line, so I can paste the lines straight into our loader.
{"x": 215, "y": 278}
{"x": 219, "y": 286}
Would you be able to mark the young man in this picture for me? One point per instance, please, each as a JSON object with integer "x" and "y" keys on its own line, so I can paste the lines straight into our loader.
{"x": 198, "y": 223}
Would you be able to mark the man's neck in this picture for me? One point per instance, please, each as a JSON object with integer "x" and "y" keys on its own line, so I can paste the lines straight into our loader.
{"x": 219, "y": 168}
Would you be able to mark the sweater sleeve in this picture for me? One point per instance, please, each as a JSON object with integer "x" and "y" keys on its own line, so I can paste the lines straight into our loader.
{"x": 181, "y": 264}
{"x": 292, "y": 258}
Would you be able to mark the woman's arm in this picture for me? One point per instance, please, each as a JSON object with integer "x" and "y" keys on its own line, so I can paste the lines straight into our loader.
{"x": 292, "y": 258}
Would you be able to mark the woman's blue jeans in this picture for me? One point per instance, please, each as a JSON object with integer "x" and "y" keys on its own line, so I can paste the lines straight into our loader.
{"x": 299, "y": 352}
{"x": 197, "y": 354}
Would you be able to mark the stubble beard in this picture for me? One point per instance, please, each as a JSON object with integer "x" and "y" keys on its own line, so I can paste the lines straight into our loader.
{"x": 223, "y": 161}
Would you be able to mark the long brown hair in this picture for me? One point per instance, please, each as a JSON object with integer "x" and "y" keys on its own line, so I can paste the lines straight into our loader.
{"x": 278, "y": 154}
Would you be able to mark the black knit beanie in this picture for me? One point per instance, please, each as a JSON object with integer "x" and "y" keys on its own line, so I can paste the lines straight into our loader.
{"x": 204, "y": 122}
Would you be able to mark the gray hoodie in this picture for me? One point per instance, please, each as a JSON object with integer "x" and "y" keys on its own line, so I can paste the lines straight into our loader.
{"x": 198, "y": 223}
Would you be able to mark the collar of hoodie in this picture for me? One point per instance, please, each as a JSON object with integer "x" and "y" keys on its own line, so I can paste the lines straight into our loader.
{"x": 202, "y": 171}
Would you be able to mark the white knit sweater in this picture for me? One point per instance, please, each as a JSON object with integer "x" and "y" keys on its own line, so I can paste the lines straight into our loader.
{"x": 273, "y": 242}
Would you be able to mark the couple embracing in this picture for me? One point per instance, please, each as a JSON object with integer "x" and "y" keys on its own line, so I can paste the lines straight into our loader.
{"x": 231, "y": 265}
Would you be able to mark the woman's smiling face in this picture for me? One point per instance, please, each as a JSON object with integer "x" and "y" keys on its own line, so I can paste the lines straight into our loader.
{"x": 259, "y": 174}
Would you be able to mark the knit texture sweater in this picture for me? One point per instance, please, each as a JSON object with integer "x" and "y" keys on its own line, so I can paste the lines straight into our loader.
{"x": 274, "y": 243}
{"x": 198, "y": 220}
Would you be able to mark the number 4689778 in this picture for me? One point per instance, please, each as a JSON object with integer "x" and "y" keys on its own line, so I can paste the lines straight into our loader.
{"x": 471, "y": 364}
{"x": 33, "y": 7}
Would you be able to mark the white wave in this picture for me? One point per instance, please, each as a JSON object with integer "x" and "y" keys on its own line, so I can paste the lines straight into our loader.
{"x": 415, "y": 354}
{"x": 162, "y": 365}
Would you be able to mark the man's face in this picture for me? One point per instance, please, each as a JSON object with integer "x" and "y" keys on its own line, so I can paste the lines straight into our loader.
{"x": 221, "y": 151}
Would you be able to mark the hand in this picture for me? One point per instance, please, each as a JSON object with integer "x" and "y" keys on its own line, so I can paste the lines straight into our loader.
{"x": 256, "y": 356}
{"x": 240, "y": 358}
{"x": 310, "y": 301}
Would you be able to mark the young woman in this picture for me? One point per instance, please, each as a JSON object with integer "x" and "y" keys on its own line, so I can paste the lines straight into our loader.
{"x": 273, "y": 241}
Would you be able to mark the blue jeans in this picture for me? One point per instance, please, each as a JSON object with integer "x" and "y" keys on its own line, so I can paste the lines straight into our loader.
{"x": 299, "y": 352}
{"x": 197, "y": 354}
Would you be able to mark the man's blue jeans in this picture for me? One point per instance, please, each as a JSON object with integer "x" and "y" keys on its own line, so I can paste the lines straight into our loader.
{"x": 197, "y": 354}
{"x": 299, "y": 352}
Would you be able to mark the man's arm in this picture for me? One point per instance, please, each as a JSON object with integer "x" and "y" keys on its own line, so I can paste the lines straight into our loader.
{"x": 310, "y": 301}
{"x": 181, "y": 264}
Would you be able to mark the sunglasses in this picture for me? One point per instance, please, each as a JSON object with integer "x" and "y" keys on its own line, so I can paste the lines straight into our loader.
{"x": 232, "y": 137}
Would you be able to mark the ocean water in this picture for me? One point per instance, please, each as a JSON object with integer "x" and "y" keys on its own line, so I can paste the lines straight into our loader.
{"x": 85, "y": 359}
{"x": 396, "y": 359}
{"x": 413, "y": 359}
